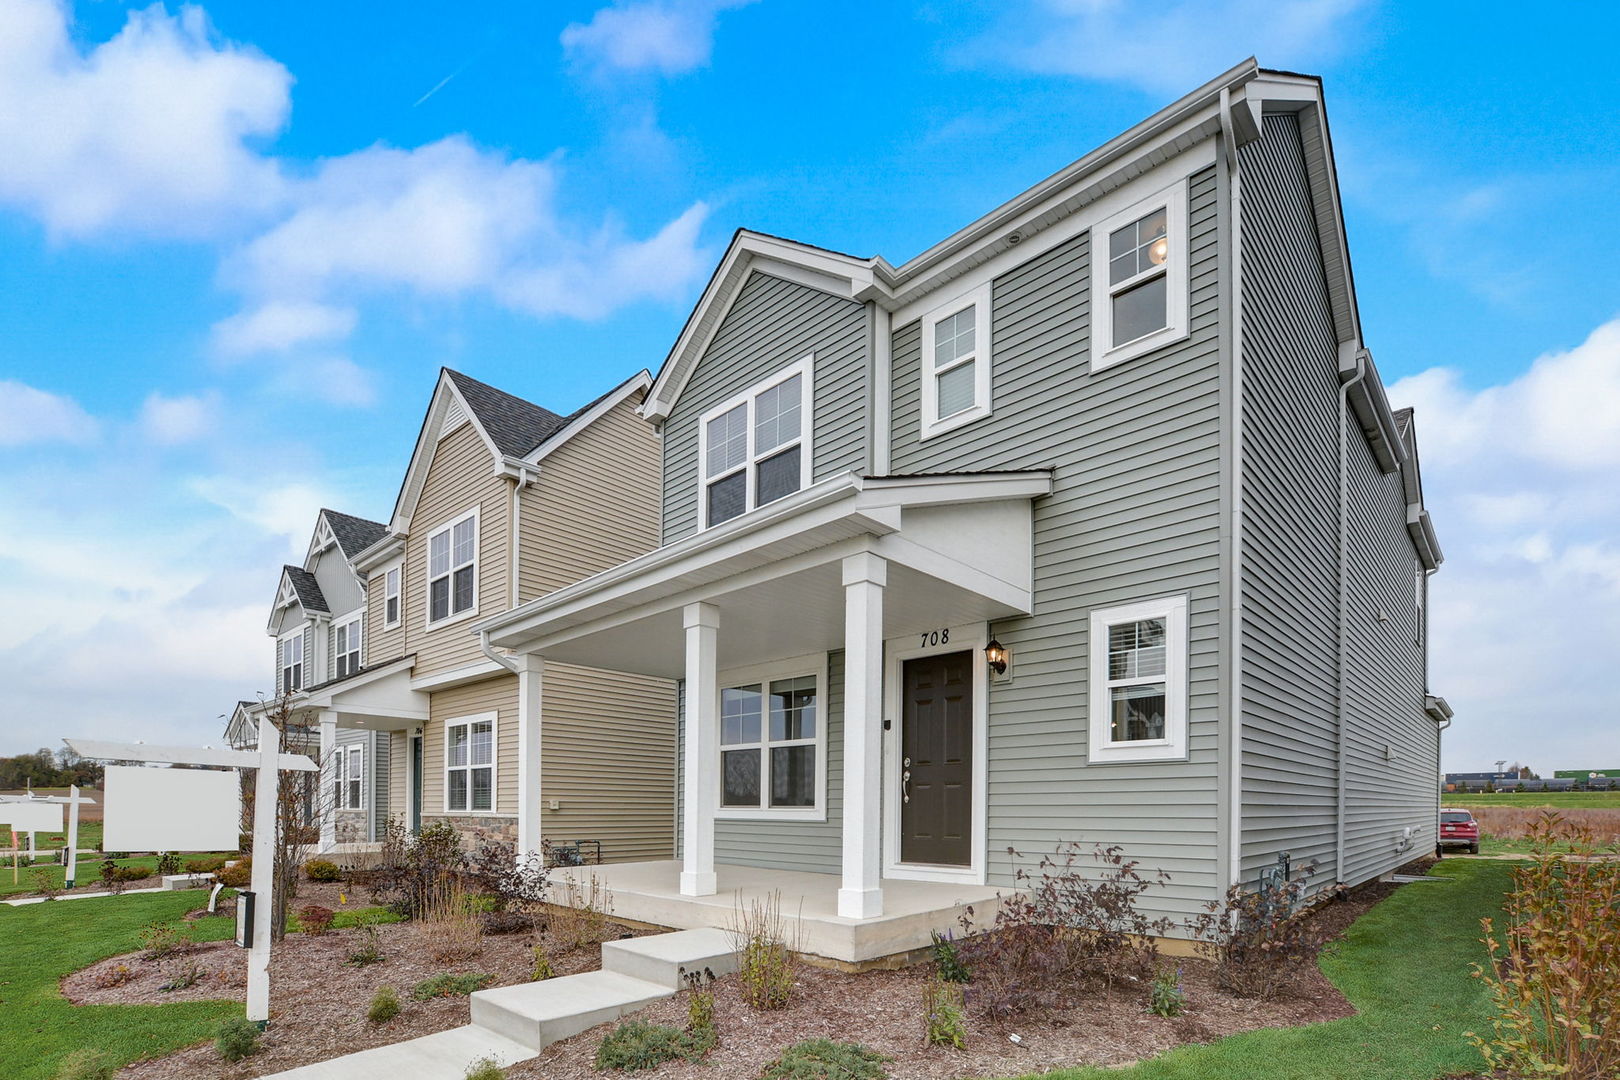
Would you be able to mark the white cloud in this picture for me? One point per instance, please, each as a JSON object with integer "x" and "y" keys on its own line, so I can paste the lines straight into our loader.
{"x": 1526, "y": 613}
{"x": 285, "y": 510}
{"x": 334, "y": 380}
{"x": 150, "y": 130}
{"x": 1164, "y": 48}
{"x": 281, "y": 325}
{"x": 671, "y": 37}
{"x": 170, "y": 421}
{"x": 29, "y": 415}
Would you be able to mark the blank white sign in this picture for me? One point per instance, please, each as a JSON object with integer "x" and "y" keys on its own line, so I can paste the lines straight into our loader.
{"x": 31, "y": 816}
{"x": 170, "y": 809}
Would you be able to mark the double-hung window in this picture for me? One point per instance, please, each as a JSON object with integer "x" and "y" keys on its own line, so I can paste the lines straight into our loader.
{"x": 1139, "y": 281}
{"x": 292, "y": 662}
{"x": 346, "y": 646}
{"x": 469, "y": 757}
{"x": 956, "y": 362}
{"x": 453, "y": 569}
{"x": 1138, "y": 675}
{"x": 352, "y": 791}
{"x": 755, "y": 448}
{"x": 391, "y": 595}
{"x": 772, "y": 743}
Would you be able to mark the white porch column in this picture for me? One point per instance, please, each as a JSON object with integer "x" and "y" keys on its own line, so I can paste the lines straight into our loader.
{"x": 326, "y": 801}
{"x": 531, "y": 675}
{"x": 865, "y": 575}
{"x": 701, "y": 768}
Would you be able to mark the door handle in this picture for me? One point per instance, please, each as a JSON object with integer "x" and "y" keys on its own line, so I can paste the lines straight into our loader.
{"x": 905, "y": 786}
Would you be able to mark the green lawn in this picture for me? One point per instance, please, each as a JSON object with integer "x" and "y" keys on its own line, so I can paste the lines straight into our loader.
{"x": 43, "y": 942}
{"x": 1405, "y": 967}
{"x": 1566, "y": 800}
{"x": 88, "y": 871}
{"x": 89, "y": 837}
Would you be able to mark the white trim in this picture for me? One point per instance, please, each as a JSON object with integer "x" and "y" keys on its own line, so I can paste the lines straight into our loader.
{"x": 641, "y": 380}
{"x": 805, "y": 370}
{"x": 350, "y": 777}
{"x": 397, "y": 567}
{"x": 282, "y": 689}
{"x": 972, "y": 637}
{"x": 413, "y": 777}
{"x": 1173, "y": 747}
{"x": 448, "y": 526}
{"x": 931, "y": 423}
{"x": 492, "y": 718}
{"x": 814, "y": 665}
{"x": 356, "y": 619}
{"x": 1173, "y": 200}
{"x": 466, "y": 673}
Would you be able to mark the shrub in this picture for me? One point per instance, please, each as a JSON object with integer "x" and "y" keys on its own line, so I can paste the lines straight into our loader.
{"x": 110, "y": 978}
{"x": 700, "y": 1001}
{"x": 948, "y": 963}
{"x": 183, "y": 977}
{"x": 485, "y": 1068}
{"x": 1062, "y": 931}
{"x": 315, "y": 919}
{"x": 45, "y": 883}
{"x": 1553, "y": 973}
{"x": 87, "y": 1064}
{"x": 412, "y": 869}
{"x": 447, "y": 984}
{"x": 582, "y": 919}
{"x": 237, "y": 876}
{"x": 823, "y": 1059}
{"x": 1165, "y": 996}
{"x": 168, "y": 863}
{"x": 636, "y": 1044}
{"x": 238, "y": 1038}
{"x": 322, "y": 870}
{"x": 542, "y": 965}
{"x": 457, "y": 934}
{"x": 944, "y": 1018}
{"x": 384, "y": 1005}
{"x": 205, "y": 865}
{"x": 495, "y": 870}
{"x": 765, "y": 964}
{"x": 369, "y": 951}
{"x": 163, "y": 940}
{"x": 1257, "y": 938}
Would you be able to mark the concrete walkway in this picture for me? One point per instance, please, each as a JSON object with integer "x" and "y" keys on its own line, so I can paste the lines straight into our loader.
{"x": 77, "y": 896}
{"x": 514, "y": 1023}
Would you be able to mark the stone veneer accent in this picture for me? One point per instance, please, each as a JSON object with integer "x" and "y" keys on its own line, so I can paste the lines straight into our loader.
{"x": 477, "y": 828}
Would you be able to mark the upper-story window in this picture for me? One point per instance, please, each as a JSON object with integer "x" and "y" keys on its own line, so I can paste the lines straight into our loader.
{"x": 956, "y": 362}
{"x": 1139, "y": 281}
{"x": 346, "y": 646}
{"x": 292, "y": 662}
{"x": 755, "y": 448}
{"x": 391, "y": 595}
{"x": 1138, "y": 676}
{"x": 453, "y": 569}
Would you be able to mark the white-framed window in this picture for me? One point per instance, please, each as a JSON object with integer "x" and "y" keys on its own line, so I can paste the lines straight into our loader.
{"x": 393, "y": 579}
{"x": 773, "y": 741}
{"x": 292, "y": 662}
{"x": 755, "y": 448}
{"x": 351, "y": 791}
{"x": 469, "y": 764}
{"x": 452, "y": 569}
{"x": 1138, "y": 676}
{"x": 1139, "y": 278}
{"x": 956, "y": 362}
{"x": 346, "y": 649}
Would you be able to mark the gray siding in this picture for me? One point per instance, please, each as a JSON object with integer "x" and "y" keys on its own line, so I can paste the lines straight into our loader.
{"x": 772, "y": 323}
{"x": 1135, "y": 514}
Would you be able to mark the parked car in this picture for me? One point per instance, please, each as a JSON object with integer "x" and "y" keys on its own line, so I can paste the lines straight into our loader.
{"x": 1458, "y": 829}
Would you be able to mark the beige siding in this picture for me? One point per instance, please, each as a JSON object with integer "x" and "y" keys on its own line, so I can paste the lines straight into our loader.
{"x": 595, "y": 505}
{"x": 497, "y": 695}
{"x": 608, "y": 760}
{"x": 382, "y": 645}
{"x": 460, "y": 478}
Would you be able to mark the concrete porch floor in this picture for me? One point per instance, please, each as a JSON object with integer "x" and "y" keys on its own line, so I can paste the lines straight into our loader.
{"x": 649, "y": 892}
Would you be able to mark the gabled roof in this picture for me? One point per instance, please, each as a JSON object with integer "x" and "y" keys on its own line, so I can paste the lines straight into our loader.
{"x": 515, "y": 426}
{"x": 305, "y": 588}
{"x": 353, "y": 534}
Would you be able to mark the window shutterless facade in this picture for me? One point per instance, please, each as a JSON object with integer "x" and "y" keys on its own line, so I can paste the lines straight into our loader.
{"x": 452, "y": 569}
{"x": 1139, "y": 278}
{"x": 292, "y": 662}
{"x": 956, "y": 363}
{"x": 469, "y": 764}
{"x": 346, "y": 646}
{"x": 392, "y": 581}
{"x": 755, "y": 448}
{"x": 773, "y": 742}
{"x": 1138, "y": 675}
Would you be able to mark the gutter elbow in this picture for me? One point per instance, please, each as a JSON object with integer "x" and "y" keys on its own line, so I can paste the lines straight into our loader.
{"x": 489, "y": 650}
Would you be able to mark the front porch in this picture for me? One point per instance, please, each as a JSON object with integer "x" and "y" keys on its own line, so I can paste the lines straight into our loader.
{"x": 650, "y": 892}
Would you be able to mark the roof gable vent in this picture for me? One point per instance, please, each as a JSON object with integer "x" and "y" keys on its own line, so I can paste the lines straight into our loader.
{"x": 454, "y": 417}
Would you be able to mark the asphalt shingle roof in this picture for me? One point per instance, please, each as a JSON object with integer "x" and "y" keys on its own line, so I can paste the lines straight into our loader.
{"x": 354, "y": 534}
{"x": 307, "y": 588}
{"x": 514, "y": 425}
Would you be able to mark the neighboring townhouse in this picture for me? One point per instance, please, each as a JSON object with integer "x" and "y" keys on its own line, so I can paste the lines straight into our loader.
{"x": 502, "y": 501}
{"x": 1089, "y": 523}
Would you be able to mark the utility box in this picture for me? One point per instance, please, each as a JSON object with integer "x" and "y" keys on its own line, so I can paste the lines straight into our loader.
{"x": 244, "y": 918}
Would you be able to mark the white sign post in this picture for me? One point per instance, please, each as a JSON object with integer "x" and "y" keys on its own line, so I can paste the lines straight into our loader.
{"x": 73, "y": 800}
{"x": 26, "y": 814}
{"x": 269, "y": 761}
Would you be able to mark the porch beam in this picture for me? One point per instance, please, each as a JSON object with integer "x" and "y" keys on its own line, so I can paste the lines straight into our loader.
{"x": 531, "y": 678}
{"x": 701, "y": 769}
{"x": 326, "y": 801}
{"x": 865, "y": 575}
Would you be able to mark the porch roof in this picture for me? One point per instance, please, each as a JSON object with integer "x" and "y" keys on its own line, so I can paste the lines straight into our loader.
{"x": 378, "y": 698}
{"x": 959, "y": 548}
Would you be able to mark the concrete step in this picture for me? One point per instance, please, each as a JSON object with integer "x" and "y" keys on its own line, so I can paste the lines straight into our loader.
{"x": 444, "y": 1055}
{"x": 662, "y": 959}
{"x": 537, "y": 1014}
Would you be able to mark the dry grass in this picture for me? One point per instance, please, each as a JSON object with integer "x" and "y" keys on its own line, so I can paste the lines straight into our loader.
{"x": 582, "y": 913}
{"x": 452, "y": 923}
{"x": 1516, "y": 823}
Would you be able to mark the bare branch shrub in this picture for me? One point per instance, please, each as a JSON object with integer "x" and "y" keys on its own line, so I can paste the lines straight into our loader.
{"x": 1257, "y": 937}
{"x": 767, "y": 964}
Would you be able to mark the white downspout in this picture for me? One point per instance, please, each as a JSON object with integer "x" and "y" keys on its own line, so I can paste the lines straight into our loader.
{"x": 1343, "y": 718}
{"x": 1234, "y": 763}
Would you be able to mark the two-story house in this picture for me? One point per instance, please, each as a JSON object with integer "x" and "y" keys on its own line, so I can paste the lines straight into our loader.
{"x": 502, "y": 501}
{"x": 1089, "y": 523}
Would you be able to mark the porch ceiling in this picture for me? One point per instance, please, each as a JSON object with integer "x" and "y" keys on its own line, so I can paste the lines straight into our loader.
{"x": 377, "y": 700}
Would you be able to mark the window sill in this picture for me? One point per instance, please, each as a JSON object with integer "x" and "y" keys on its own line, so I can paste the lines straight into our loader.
{"x": 449, "y": 620}
{"x": 807, "y": 813}
{"x": 1134, "y": 752}
{"x": 1141, "y": 346}
{"x": 952, "y": 422}
{"x": 472, "y": 813}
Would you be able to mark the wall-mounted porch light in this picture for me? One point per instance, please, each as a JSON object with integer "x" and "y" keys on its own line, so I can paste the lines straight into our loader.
{"x": 995, "y": 655}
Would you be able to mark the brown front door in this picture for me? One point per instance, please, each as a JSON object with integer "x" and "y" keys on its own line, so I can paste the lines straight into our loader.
{"x": 936, "y": 761}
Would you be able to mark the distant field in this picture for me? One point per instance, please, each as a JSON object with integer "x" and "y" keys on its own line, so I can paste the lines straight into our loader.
{"x": 1583, "y": 800}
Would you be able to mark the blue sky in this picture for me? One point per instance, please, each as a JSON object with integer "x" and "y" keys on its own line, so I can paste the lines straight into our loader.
{"x": 240, "y": 238}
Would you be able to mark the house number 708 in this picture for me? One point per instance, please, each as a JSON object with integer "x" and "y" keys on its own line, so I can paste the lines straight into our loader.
{"x": 936, "y": 637}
